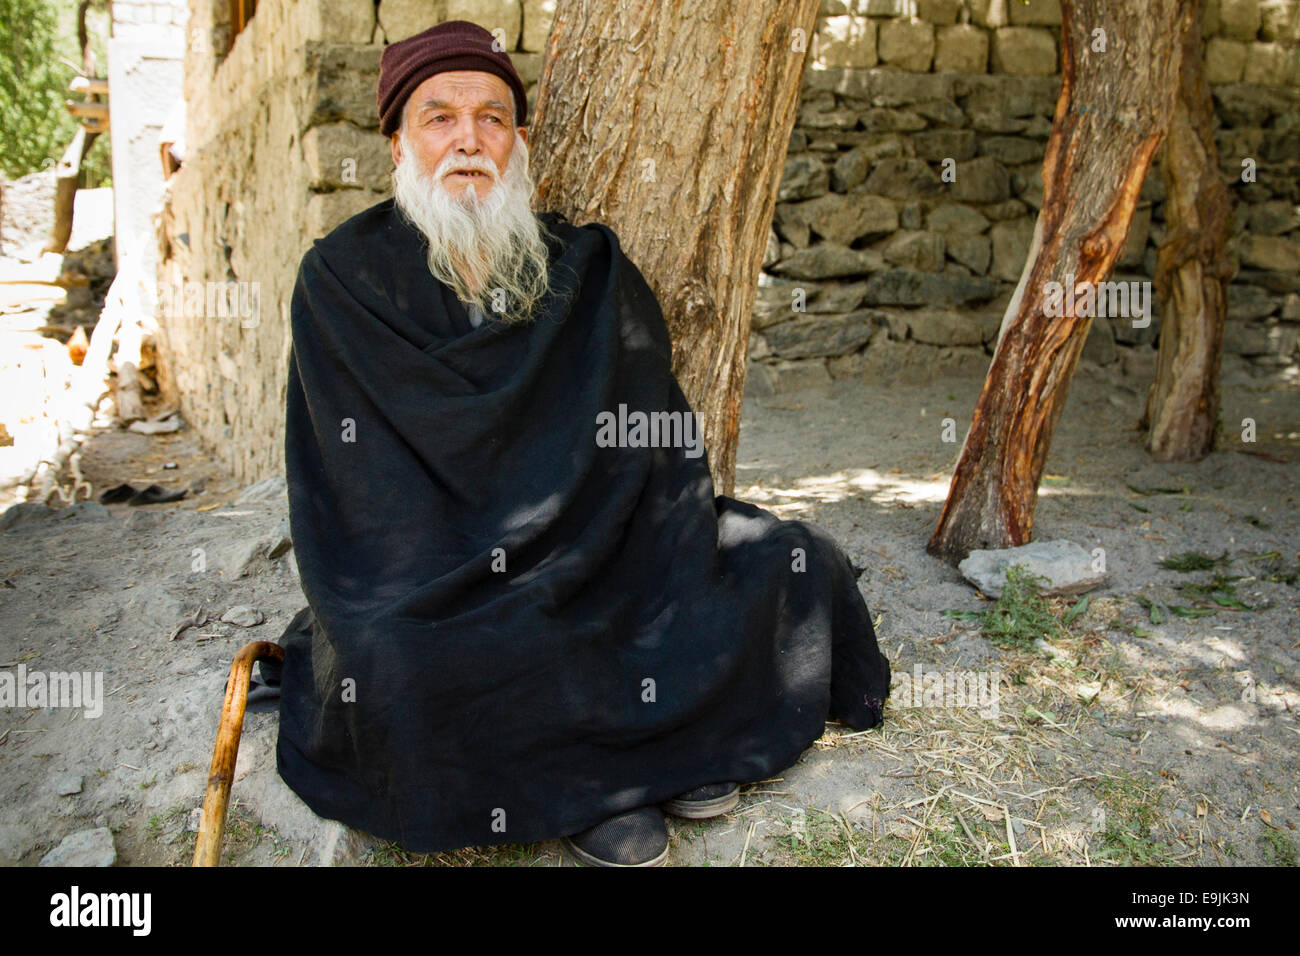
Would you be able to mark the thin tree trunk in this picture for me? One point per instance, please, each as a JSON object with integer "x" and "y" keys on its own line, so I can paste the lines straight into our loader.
{"x": 67, "y": 173}
{"x": 668, "y": 121}
{"x": 1111, "y": 117}
{"x": 1192, "y": 269}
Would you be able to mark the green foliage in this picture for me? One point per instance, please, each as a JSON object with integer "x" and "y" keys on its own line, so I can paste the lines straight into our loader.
{"x": 1190, "y": 561}
{"x": 1021, "y": 615}
{"x": 35, "y": 127}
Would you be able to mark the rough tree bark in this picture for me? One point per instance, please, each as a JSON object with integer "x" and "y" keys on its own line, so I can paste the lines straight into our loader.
{"x": 1111, "y": 118}
{"x": 1192, "y": 269}
{"x": 68, "y": 170}
{"x": 668, "y": 121}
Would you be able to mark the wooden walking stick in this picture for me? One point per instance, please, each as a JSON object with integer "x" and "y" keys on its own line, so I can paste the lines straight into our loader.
{"x": 207, "y": 851}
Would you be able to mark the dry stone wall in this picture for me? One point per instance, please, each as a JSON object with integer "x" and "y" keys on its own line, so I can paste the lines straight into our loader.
{"x": 876, "y": 266}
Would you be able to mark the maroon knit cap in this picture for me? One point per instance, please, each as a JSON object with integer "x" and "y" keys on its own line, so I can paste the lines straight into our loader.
{"x": 454, "y": 45}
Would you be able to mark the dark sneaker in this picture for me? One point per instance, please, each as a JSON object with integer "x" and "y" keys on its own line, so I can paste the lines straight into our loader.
{"x": 704, "y": 802}
{"x": 636, "y": 838}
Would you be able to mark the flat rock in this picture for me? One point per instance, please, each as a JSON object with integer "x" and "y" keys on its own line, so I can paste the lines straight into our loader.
{"x": 243, "y": 615}
{"x": 84, "y": 511}
{"x": 24, "y": 513}
{"x": 68, "y": 784}
{"x": 83, "y": 848}
{"x": 1067, "y": 567}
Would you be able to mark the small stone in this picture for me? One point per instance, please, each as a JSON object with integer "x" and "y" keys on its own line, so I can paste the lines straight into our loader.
{"x": 1011, "y": 241}
{"x": 23, "y": 514}
{"x": 1011, "y": 150}
{"x": 907, "y": 44}
{"x": 83, "y": 848}
{"x": 1239, "y": 19}
{"x": 903, "y": 287}
{"x": 194, "y": 821}
{"x": 918, "y": 251}
{"x": 961, "y": 49}
{"x": 1266, "y": 64}
{"x": 982, "y": 180}
{"x": 936, "y": 145}
{"x": 268, "y": 489}
{"x": 243, "y": 615}
{"x": 1066, "y": 566}
{"x": 826, "y": 261}
{"x": 84, "y": 511}
{"x": 823, "y": 336}
{"x": 1035, "y": 13}
{"x": 805, "y": 177}
{"x": 68, "y": 784}
{"x": 1225, "y": 61}
{"x": 904, "y": 178}
{"x": 845, "y": 41}
{"x": 1274, "y": 218}
{"x": 1270, "y": 252}
{"x": 1024, "y": 51}
{"x": 955, "y": 220}
{"x": 1246, "y": 303}
{"x": 850, "y": 169}
{"x": 280, "y": 542}
{"x": 1280, "y": 20}
{"x": 938, "y": 11}
{"x": 974, "y": 252}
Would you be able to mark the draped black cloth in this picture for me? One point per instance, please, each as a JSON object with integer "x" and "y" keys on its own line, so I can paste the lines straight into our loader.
{"x": 514, "y": 632}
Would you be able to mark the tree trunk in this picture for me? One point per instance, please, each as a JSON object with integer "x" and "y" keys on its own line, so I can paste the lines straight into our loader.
{"x": 1192, "y": 269}
{"x": 668, "y": 121}
{"x": 67, "y": 173}
{"x": 1111, "y": 117}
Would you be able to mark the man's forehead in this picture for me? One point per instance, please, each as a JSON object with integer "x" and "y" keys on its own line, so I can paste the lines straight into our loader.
{"x": 463, "y": 87}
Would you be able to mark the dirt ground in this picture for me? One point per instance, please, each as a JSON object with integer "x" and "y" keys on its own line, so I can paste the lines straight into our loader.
{"x": 1137, "y": 735}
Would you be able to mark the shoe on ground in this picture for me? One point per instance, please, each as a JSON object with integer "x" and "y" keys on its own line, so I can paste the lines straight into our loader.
{"x": 701, "y": 803}
{"x": 636, "y": 838}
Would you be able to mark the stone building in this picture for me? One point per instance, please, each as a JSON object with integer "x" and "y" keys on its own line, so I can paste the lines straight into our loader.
{"x": 145, "y": 70}
{"x": 904, "y": 273}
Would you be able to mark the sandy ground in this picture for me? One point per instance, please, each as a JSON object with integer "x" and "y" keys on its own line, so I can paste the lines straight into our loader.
{"x": 1135, "y": 737}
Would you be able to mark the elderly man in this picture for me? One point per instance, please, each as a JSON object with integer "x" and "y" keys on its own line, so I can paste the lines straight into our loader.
{"x": 529, "y": 616}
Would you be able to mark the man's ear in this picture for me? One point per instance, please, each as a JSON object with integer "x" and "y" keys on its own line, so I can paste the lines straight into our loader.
{"x": 523, "y": 133}
{"x": 396, "y": 143}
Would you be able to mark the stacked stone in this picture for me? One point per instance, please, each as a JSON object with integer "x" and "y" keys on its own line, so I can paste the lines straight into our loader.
{"x": 880, "y": 265}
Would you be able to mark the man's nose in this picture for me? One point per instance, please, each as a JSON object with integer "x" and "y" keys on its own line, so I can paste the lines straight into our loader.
{"x": 467, "y": 137}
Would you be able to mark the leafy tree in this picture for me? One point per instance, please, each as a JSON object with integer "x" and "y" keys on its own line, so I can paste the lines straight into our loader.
{"x": 36, "y": 36}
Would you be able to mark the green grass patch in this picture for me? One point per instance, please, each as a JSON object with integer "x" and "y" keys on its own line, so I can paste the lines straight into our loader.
{"x": 1128, "y": 835}
{"x": 1275, "y": 848}
{"x": 1190, "y": 561}
{"x": 1021, "y": 615}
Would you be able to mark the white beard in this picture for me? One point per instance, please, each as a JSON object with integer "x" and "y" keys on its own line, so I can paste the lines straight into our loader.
{"x": 489, "y": 251}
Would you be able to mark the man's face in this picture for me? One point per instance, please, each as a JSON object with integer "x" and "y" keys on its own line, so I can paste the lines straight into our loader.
{"x": 461, "y": 118}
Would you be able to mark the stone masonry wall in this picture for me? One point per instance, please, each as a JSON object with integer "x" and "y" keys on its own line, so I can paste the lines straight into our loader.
{"x": 878, "y": 267}
{"x": 904, "y": 275}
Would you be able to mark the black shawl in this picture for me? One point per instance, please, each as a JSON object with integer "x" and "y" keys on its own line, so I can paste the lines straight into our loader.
{"x": 513, "y": 632}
